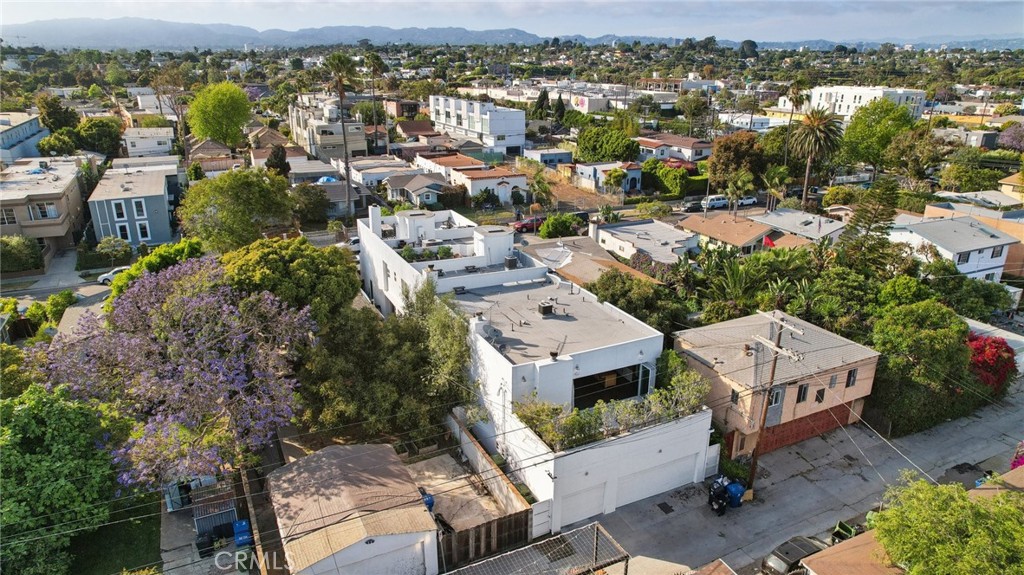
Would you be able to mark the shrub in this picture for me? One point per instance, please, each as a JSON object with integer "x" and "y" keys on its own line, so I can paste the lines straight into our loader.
{"x": 484, "y": 197}
{"x": 445, "y": 253}
{"x": 518, "y": 198}
{"x": 408, "y": 253}
{"x": 142, "y": 249}
{"x": 559, "y": 226}
{"x": 36, "y": 313}
{"x": 992, "y": 361}
{"x": 734, "y": 469}
{"x": 18, "y": 254}
{"x": 58, "y": 302}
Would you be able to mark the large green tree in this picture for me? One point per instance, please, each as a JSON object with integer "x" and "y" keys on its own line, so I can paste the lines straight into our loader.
{"x": 298, "y": 273}
{"x": 818, "y": 136}
{"x": 101, "y": 135}
{"x": 732, "y": 153}
{"x": 606, "y": 145}
{"x": 942, "y": 530}
{"x": 865, "y": 242}
{"x": 652, "y": 304}
{"x": 912, "y": 152}
{"x": 57, "y": 144}
{"x": 162, "y": 257}
{"x": 872, "y": 128}
{"x": 231, "y": 210}
{"x": 54, "y": 114}
{"x": 55, "y": 479}
{"x": 277, "y": 161}
{"x": 218, "y": 112}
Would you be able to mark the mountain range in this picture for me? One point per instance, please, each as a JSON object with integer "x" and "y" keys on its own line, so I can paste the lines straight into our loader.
{"x": 139, "y": 33}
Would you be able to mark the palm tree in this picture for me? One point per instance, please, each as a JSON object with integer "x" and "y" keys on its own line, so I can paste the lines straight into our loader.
{"x": 819, "y": 135}
{"x": 540, "y": 188}
{"x": 342, "y": 68}
{"x": 741, "y": 184}
{"x": 776, "y": 179}
{"x": 797, "y": 99}
{"x": 376, "y": 66}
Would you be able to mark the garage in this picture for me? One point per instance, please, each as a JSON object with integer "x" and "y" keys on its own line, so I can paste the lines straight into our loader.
{"x": 583, "y": 504}
{"x": 655, "y": 480}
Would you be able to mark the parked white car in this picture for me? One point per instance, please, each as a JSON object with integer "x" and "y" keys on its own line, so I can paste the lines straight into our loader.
{"x": 747, "y": 201}
{"x": 108, "y": 277}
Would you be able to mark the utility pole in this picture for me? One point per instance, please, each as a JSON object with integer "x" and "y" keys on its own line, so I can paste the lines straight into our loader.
{"x": 777, "y": 349}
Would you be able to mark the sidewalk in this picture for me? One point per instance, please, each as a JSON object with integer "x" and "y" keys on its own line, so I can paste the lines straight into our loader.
{"x": 60, "y": 273}
{"x": 806, "y": 488}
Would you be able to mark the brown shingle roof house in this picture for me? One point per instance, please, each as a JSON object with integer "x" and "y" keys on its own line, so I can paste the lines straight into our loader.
{"x": 416, "y": 128}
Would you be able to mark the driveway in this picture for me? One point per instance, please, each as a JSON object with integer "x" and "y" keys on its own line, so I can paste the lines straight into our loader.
{"x": 806, "y": 488}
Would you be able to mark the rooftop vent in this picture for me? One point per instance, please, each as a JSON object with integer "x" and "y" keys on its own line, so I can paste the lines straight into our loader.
{"x": 459, "y": 290}
{"x": 546, "y": 307}
{"x": 554, "y": 355}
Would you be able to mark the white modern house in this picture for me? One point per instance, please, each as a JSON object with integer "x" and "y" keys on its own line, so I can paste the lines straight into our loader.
{"x": 548, "y": 338}
{"x": 799, "y": 223}
{"x": 664, "y": 242}
{"x": 486, "y": 255}
{"x": 500, "y": 129}
{"x": 370, "y": 171}
{"x": 844, "y": 101}
{"x": 979, "y": 251}
{"x": 664, "y": 146}
{"x": 146, "y": 142}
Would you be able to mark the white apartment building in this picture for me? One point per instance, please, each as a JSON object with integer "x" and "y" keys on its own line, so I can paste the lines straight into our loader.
{"x": 500, "y": 129}
{"x": 845, "y": 100}
{"x": 979, "y": 251}
{"x": 531, "y": 333}
{"x": 315, "y": 122}
{"x": 147, "y": 142}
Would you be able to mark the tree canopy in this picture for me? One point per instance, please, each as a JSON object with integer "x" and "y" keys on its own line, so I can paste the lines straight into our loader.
{"x": 218, "y": 112}
{"x": 230, "y": 211}
{"x": 941, "y": 530}
{"x": 872, "y": 128}
{"x": 605, "y": 145}
{"x": 732, "y": 153}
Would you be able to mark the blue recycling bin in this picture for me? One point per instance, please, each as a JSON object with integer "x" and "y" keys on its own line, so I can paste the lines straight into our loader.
{"x": 243, "y": 533}
{"x": 736, "y": 489}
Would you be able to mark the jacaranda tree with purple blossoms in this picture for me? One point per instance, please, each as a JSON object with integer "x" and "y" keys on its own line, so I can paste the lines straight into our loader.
{"x": 203, "y": 370}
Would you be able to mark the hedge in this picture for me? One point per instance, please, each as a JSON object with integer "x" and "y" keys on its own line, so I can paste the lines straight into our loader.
{"x": 18, "y": 254}
{"x": 90, "y": 260}
{"x": 692, "y": 186}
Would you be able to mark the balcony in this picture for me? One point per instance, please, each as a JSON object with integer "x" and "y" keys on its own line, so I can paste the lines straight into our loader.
{"x": 47, "y": 227}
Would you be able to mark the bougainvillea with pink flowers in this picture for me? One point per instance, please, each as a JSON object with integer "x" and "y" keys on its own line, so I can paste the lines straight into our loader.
{"x": 992, "y": 361}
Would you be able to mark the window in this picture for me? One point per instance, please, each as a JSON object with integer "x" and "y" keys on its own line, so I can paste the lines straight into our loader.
{"x": 963, "y": 258}
{"x": 832, "y": 380}
{"x": 43, "y": 211}
{"x": 161, "y": 142}
{"x": 734, "y": 397}
{"x": 139, "y": 207}
{"x": 143, "y": 229}
{"x": 119, "y": 213}
{"x": 851, "y": 378}
{"x": 775, "y": 397}
{"x": 132, "y": 143}
{"x": 997, "y": 252}
{"x": 122, "y": 232}
{"x": 819, "y": 396}
{"x": 990, "y": 277}
{"x": 801, "y": 393}
{"x": 500, "y": 138}
{"x": 7, "y": 217}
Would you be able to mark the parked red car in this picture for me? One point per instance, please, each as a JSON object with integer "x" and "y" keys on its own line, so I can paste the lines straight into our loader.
{"x": 528, "y": 224}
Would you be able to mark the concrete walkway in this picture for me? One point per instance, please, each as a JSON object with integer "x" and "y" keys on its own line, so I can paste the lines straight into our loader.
{"x": 806, "y": 488}
{"x": 59, "y": 274}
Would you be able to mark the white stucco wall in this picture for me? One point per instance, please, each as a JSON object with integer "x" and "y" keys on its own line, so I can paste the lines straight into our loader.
{"x": 979, "y": 264}
{"x": 408, "y": 553}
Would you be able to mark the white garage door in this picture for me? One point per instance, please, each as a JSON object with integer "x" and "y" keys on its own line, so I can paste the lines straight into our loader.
{"x": 582, "y": 504}
{"x": 655, "y": 480}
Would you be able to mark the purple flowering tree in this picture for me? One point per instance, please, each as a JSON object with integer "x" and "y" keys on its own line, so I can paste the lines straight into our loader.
{"x": 203, "y": 370}
{"x": 1012, "y": 138}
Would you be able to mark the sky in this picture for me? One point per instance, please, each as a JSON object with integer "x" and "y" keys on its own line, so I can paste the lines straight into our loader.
{"x": 766, "y": 20}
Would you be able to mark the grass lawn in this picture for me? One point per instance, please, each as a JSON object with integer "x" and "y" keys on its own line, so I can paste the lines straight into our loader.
{"x": 124, "y": 545}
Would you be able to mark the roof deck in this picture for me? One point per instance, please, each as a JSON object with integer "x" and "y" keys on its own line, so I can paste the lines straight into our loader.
{"x": 577, "y": 322}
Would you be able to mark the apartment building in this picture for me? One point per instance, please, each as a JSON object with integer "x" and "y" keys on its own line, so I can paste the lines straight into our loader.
{"x": 134, "y": 205}
{"x": 41, "y": 198}
{"x": 499, "y": 129}
{"x": 145, "y": 142}
{"x": 19, "y": 135}
{"x": 844, "y": 101}
{"x": 315, "y": 120}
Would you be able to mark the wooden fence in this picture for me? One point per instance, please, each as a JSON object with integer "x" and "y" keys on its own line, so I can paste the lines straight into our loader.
{"x": 499, "y": 535}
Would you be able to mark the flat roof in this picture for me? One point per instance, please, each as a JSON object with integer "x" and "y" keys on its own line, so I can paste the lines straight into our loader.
{"x": 492, "y": 174}
{"x": 801, "y": 223}
{"x": 656, "y": 238}
{"x": 302, "y": 165}
{"x": 14, "y": 119}
{"x": 25, "y": 178}
{"x": 151, "y": 132}
{"x": 959, "y": 234}
{"x": 116, "y": 184}
{"x": 579, "y": 322}
{"x": 723, "y": 348}
{"x": 158, "y": 161}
